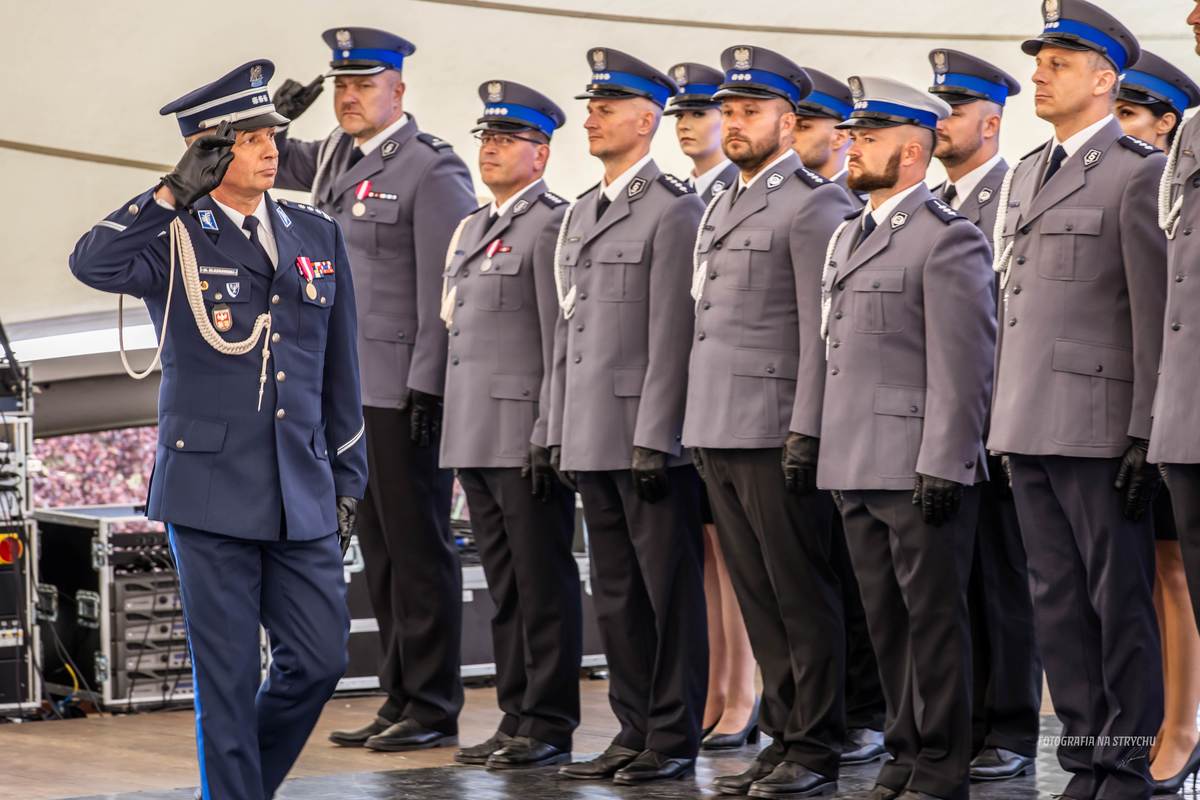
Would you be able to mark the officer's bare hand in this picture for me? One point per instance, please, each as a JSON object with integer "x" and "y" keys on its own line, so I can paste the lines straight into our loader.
{"x": 567, "y": 478}
{"x": 425, "y": 417}
{"x": 293, "y": 98}
{"x": 202, "y": 167}
{"x": 1137, "y": 479}
{"x": 538, "y": 471}
{"x": 347, "y": 515}
{"x": 800, "y": 463}
{"x": 650, "y": 474}
{"x": 938, "y": 499}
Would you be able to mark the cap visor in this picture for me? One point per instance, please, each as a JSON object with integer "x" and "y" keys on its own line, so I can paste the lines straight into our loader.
{"x": 613, "y": 94}
{"x": 952, "y": 96}
{"x": 815, "y": 111}
{"x": 502, "y": 126}
{"x": 869, "y": 122}
{"x": 1031, "y": 47}
{"x": 356, "y": 69}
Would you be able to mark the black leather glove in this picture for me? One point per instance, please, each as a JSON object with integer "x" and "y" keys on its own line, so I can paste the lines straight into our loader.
{"x": 1000, "y": 475}
{"x": 425, "y": 417}
{"x": 800, "y": 463}
{"x": 698, "y": 463}
{"x": 292, "y": 99}
{"x": 347, "y": 514}
{"x": 567, "y": 478}
{"x": 650, "y": 474}
{"x": 537, "y": 469}
{"x": 1137, "y": 479}
{"x": 202, "y": 167}
{"x": 938, "y": 498}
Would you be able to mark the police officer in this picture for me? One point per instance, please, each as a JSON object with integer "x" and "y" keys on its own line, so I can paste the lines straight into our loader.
{"x": 1082, "y": 266}
{"x": 698, "y": 128}
{"x": 260, "y": 455}
{"x": 1007, "y": 679}
{"x": 500, "y": 307}
{"x": 398, "y": 193}
{"x": 818, "y": 141}
{"x": 755, "y": 355}
{"x": 910, "y": 331}
{"x": 620, "y": 373}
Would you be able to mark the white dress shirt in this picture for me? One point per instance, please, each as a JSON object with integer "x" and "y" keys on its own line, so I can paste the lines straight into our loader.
{"x": 499, "y": 210}
{"x": 266, "y": 233}
{"x": 746, "y": 184}
{"x": 381, "y": 137}
{"x": 884, "y": 211}
{"x": 1078, "y": 140}
{"x": 701, "y": 182}
{"x": 965, "y": 185}
{"x": 613, "y": 190}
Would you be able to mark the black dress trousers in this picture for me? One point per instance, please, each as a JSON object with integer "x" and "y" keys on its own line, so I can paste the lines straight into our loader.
{"x": 865, "y": 706}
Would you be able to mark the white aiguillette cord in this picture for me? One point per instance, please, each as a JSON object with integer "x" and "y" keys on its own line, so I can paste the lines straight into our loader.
{"x": 181, "y": 249}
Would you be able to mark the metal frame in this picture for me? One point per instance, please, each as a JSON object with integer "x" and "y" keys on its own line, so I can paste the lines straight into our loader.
{"x": 33, "y": 643}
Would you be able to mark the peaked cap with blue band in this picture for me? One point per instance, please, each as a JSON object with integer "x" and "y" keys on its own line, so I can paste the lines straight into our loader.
{"x": 697, "y": 85}
{"x": 616, "y": 75}
{"x": 758, "y": 72}
{"x": 1080, "y": 25}
{"x": 1156, "y": 80}
{"x": 885, "y": 103}
{"x": 962, "y": 78}
{"x": 239, "y": 97}
{"x": 829, "y": 97}
{"x": 365, "y": 51}
{"x": 510, "y": 106}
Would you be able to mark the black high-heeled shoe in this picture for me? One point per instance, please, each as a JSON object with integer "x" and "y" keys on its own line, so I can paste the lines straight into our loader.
{"x": 1174, "y": 783}
{"x": 732, "y": 741}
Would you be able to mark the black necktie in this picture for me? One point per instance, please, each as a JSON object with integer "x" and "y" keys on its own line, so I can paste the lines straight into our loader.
{"x": 252, "y": 224}
{"x": 492, "y": 217}
{"x": 1056, "y": 158}
{"x": 868, "y": 225}
{"x": 949, "y": 194}
{"x": 355, "y": 156}
{"x": 602, "y": 205}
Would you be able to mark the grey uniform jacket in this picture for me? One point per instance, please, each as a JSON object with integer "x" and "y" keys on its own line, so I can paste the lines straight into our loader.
{"x": 1081, "y": 310}
{"x": 419, "y": 190}
{"x": 727, "y": 178}
{"x": 501, "y": 333}
{"x": 757, "y": 366}
{"x": 1175, "y": 438}
{"x": 911, "y": 334}
{"x": 980, "y": 207}
{"x": 620, "y": 362}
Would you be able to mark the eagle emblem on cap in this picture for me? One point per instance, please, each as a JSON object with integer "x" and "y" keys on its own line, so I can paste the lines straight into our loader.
{"x": 344, "y": 39}
{"x": 680, "y": 74}
{"x": 256, "y": 76}
{"x": 940, "y": 61}
{"x": 495, "y": 91}
{"x": 856, "y": 87}
{"x": 1051, "y": 11}
{"x": 741, "y": 58}
{"x": 598, "y": 60}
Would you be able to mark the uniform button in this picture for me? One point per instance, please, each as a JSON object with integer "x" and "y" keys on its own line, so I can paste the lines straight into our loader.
{"x": 583, "y": 295}
{"x": 619, "y": 254}
{"x": 707, "y": 305}
{"x": 454, "y": 361}
{"x": 217, "y": 296}
{"x": 1025, "y": 230}
{"x": 1196, "y": 183}
{"x": 912, "y": 409}
{"x": 1016, "y": 290}
{"x": 835, "y": 344}
{"x": 454, "y": 332}
{"x": 587, "y": 264}
{"x": 281, "y": 376}
{"x": 322, "y": 299}
{"x": 1179, "y": 278}
{"x": 275, "y": 337}
{"x": 280, "y": 414}
{"x": 1070, "y": 227}
{"x": 969, "y": 465}
{"x": 338, "y": 209}
{"x": 579, "y": 327}
{"x": 578, "y": 359}
{"x": 1187, "y": 231}
{"x": 1175, "y": 326}
{"x": 1020, "y": 260}
{"x": 700, "y": 336}
{"x": 1012, "y": 322}
{"x": 833, "y": 371}
{"x": 525, "y": 393}
{"x": 841, "y": 286}
{"x": 179, "y": 444}
{"x": 770, "y": 370}
{"x": 717, "y": 246}
{"x": 1099, "y": 368}
{"x": 712, "y": 276}
{"x": 874, "y": 284}
{"x": 746, "y": 243}
{"x": 459, "y": 303}
{"x": 274, "y": 299}
{"x": 837, "y": 315}
{"x": 133, "y": 209}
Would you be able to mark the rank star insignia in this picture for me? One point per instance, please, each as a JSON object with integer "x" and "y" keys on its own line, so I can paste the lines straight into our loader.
{"x": 344, "y": 39}
{"x": 1091, "y": 157}
{"x": 984, "y": 195}
{"x": 898, "y": 219}
{"x": 495, "y": 92}
{"x": 774, "y": 179}
{"x": 598, "y": 60}
{"x": 741, "y": 58}
{"x": 636, "y": 186}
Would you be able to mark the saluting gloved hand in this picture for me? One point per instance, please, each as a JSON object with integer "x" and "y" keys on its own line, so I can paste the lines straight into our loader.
{"x": 650, "y": 474}
{"x": 698, "y": 463}
{"x": 425, "y": 417}
{"x": 292, "y": 98}
{"x": 938, "y": 498}
{"x": 539, "y": 472}
{"x": 800, "y": 463}
{"x": 567, "y": 478}
{"x": 1137, "y": 479}
{"x": 202, "y": 167}
{"x": 347, "y": 514}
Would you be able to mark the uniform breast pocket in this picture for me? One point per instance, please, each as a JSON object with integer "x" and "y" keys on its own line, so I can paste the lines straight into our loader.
{"x": 622, "y": 277}
{"x": 498, "y": 286}
{"x": 374, "y": 233}
{"x": 749, "y": 255}
{"x": 1070, "y": 244}
{"x": 878, "y": 300}
{"x": 225, "y": 288}
{"x": 314, "y": 311}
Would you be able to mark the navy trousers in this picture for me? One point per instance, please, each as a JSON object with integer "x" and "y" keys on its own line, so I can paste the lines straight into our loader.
{"x": 248, "y": 735}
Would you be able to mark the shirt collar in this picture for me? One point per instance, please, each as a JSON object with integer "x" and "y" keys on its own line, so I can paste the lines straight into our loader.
{"x": 744, "y": 184}
{"x": 884, "y": 211}
{"x": 613, "y": 190}
{"x": 838, "y": 176}
{"x": 701, "y": 182}
{"x": 499, "y": 211}
{"x": 379, "y": 138}
{"x": 1078, "y": 140}
{"x": 238, "y": 218}
{"x": 965, "y": 185}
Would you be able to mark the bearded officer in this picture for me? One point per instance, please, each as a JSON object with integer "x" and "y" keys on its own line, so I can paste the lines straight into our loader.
{"x": 398, "y": 193}
{"x": 910, "y": 331}
{"x": 247, "y": 489}
{"x": 1083, "y": 267}
{"x": 698, "y": 128}
{"x": 1007, "y": 680}
{"x": 818, "y": 141}
{"x": 623, "y": 268}
{"x": 500, "y": 307}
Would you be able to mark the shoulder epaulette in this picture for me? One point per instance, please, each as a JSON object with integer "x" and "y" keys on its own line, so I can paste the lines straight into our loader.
{"x": 674, "y": 185}
{"x": 585, "y": 192}
{"x": 305, "y": 207}
{"x": 1135, "y": 144}
{"x": 942, "y": 211}
{"x": 811, "y": 178}
{"x": 433, "y": 141}
{"x": 551, "y": 199}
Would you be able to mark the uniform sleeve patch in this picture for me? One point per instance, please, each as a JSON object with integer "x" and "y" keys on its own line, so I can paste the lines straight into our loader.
{"x": 676, "y": 186}
{"x": 552, "y": 200}
{"x": 433, "y": 141}
{"x": 811, "y": 178}
{"x": 942, "y": 211}
{"x": 1135, "y": 144}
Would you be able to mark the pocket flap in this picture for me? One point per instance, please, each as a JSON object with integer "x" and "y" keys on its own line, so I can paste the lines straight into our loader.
{"x": 749, "y": 240}
{"x": 186, "y": 434}
{"x": 220, "y": 289}
{"x": 706, "y": 239}
{"x": 515, "y": 387}
{"x": 627, "y": 382}
{"x": 570, "y": 253}
{"x": 1012, "y": 220}
{"x": 318, "y": 443}
{"x": 766, "y": 363}
{"x": 1097, "y": 360}
{"x": 900, "y": 401}
{"x": 380, "y": 327}
{"x": 1081, "y": 221}
{"x": 867, "y": 280}
{"x": 385, "y": 211}
{"x": 502, "y": 264}
{"x": 326, "y": 292}
{"x": 620, "y": 252}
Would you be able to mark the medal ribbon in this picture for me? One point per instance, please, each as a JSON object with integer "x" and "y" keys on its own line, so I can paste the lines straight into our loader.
{"x": 363, "y": 189}
{"x": 305, "y": 267}
{"x": 492, "y": 248}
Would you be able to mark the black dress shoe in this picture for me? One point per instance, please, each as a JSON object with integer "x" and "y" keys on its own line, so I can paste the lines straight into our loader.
{"x": 358, "y": 737}
{"x": 766, "y": 760}
{"x": 881, "y": 792}
{"x": 791, "y": 779}
{"x": 525, "y": 752}
{"x": 732, "y": 741}
{"x": 652, "y": 766}
{"x": 909, "y": 794}
{"x": 479, "y": 754}
{"x": 1173, "y": 784}
{"x": 601, "y": 767}
{"x": 998, "y": 764}
{"x": 408, "y": 734}
{"x": 863, "y": 745}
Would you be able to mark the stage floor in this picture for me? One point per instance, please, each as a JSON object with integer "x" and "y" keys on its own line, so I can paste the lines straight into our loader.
{"x": 151, "y": 757}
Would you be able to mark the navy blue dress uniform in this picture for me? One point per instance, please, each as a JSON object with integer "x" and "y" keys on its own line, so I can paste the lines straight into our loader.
{"x": 830, "y": 98}
{"x": 497, "y": 403}
{"x": 697, "y": 84}
{"x": 248, "y": 495}
{"x": 910, "y": 330}
{"x": 398, "y": 204}
{"x": 1007, "y": 675}
{"x": 1083, "y": 276}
